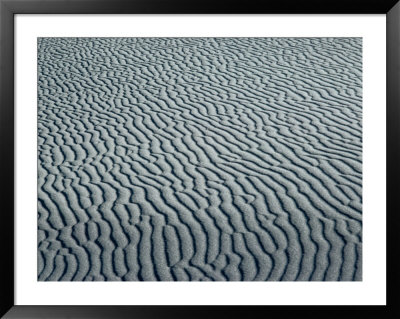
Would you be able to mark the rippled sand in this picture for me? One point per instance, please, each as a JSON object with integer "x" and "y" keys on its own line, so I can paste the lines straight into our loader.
{"x": 190, "y": 159}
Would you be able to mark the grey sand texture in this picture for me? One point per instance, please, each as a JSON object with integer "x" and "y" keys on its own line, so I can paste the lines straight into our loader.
{"x": 199, "y": 159}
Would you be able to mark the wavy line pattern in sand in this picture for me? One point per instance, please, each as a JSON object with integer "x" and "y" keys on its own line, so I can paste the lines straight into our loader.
{"x": 191, "y": 159}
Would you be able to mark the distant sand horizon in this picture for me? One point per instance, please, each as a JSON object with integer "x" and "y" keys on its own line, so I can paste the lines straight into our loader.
{"x": 200, "y": 159}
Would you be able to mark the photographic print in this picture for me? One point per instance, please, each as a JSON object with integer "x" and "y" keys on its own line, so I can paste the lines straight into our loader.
{"x": 199, "y": 159}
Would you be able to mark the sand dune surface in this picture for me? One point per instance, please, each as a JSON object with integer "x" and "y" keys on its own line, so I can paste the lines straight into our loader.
{"x": 199, "y": 159}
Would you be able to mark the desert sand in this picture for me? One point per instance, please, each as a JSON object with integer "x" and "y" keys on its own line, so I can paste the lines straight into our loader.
{"x": 194, "y": 159}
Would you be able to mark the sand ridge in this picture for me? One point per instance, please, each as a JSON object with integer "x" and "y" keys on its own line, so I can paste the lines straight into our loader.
{"x": 177, "y": 159}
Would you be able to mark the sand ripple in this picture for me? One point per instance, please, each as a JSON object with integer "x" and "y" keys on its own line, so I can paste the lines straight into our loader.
{"x": 224, "y": 159}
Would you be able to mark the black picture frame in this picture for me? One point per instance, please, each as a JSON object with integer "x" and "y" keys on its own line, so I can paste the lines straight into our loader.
{"x": 8, "y": 8}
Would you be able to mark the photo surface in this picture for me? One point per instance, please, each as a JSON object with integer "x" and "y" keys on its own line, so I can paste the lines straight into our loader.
{"x": 199, "y": 159}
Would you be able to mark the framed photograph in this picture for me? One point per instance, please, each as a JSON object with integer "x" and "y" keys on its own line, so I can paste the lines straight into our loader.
{"x": 174, "y": 159}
